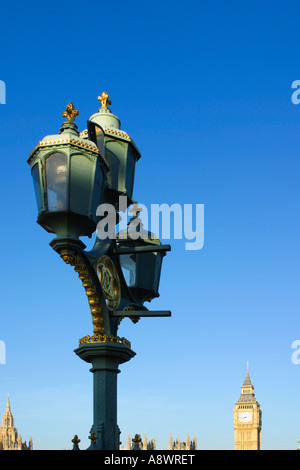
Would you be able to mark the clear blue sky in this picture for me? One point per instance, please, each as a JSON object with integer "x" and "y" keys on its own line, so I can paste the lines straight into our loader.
{"x": 204, "y": 88}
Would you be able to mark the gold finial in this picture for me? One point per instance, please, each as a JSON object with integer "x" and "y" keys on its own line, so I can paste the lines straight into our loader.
{"x": 93, "y": 437}
{"x": 137, "y": 439}
{"x": 104, "y": 100}
{"x": 70, "y": 113}
{"x": 75, "y": 440}
{"x": 135, "y": 210}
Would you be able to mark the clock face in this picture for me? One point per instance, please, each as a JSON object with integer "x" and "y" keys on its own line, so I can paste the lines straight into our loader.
{"x": 245, "y": 416}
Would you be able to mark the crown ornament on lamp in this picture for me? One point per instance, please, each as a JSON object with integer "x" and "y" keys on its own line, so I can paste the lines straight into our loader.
{"x": 104, "y": 100}
{"x": 70, "y": 113}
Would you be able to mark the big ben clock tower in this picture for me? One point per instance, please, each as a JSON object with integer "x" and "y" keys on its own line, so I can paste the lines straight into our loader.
{"x": 247, "y": 418}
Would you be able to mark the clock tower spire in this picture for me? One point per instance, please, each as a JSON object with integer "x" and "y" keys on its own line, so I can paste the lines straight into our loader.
{"x": 247, "y": 418}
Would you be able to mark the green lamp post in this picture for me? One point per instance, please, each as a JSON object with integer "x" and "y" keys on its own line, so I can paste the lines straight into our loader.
{"x": 73, "y": 173}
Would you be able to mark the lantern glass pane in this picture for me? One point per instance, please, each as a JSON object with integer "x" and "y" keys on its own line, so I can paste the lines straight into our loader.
{"x": 128, "y": 265}
{"x": 96, "y": 135}
{"x": 100, "y": 139}
{"x": 130, "y": 171}
{"x": 82, "y": 178}
{"x": 115, "y": 177}
{"x": 57, "y": 177}
{"x": 37, "y": 185}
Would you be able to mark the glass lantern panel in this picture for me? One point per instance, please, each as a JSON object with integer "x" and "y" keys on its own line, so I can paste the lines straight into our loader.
{"x": 82, "y": 179}
{"x": 114, "y": 154}
{"x": 37, "y": 185}
{"x": 97, "y": 198}
{"x": 100, "y": 139}
{"x": 148, "y": 271}
{"x": 130, "y": 171}
{"x": 96, "y": 135}
{"x": 158, "y": 266}
{"x": 57, "y": 178}
{"x": 128, "y": 265}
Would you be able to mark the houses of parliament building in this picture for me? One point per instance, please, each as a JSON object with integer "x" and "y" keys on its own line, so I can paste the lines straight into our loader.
{"x": 10, "y": 438}
{"x": 247, "y": 423}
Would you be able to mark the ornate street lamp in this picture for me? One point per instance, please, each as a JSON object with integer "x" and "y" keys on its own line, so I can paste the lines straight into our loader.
{"x": 119, "y": 150}
{"x": 69, "y": 174}
{"x": 73, "y": 173}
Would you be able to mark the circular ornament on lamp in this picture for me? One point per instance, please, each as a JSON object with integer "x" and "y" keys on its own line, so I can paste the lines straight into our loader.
{"x": 110, "y": 282}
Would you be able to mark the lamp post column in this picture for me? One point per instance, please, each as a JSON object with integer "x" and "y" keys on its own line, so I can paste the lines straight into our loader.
{"x": 105, "y": 359}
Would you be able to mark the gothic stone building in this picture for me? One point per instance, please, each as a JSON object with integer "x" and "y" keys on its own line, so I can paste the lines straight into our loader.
{"x": 247, "y": 418}
{"x": 10, "y": 439}
{"x": 173, "y": 445}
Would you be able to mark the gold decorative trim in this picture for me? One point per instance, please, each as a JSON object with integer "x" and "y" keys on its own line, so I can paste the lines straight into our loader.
{"x": 123, "y": 134}
{"x": 77, "y": 143}
{"x": 102, "y": 338}
{"x": 108, "y": 130}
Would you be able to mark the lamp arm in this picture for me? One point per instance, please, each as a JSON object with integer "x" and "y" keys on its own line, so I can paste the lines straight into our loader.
{"x": 140, "y": 249}
{"x": 100, "y": 248}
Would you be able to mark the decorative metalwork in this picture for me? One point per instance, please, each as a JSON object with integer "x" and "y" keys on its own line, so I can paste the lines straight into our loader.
{"x": 102, "y": 338}
{"x": 110, "y": 284}
{"x": 118, "y": 132}
{"x": 137, "y": 440}
{"x": 70, "y": 113}
{"x": 132, "y": 308}
{"x": 104, "y": 100}
{"x": 87, "y": 282}
{"x": 93, "y": 437}
{"x": 135, "y": 210}
{"x": 76, "y": 440}
{"x": 76, "y": 142}
{"x": 110, "y": 281}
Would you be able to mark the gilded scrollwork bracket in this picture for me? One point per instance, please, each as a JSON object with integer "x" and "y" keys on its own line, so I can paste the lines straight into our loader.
{"x": 93, "y": 289}
{"x": 101, "y": 282}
